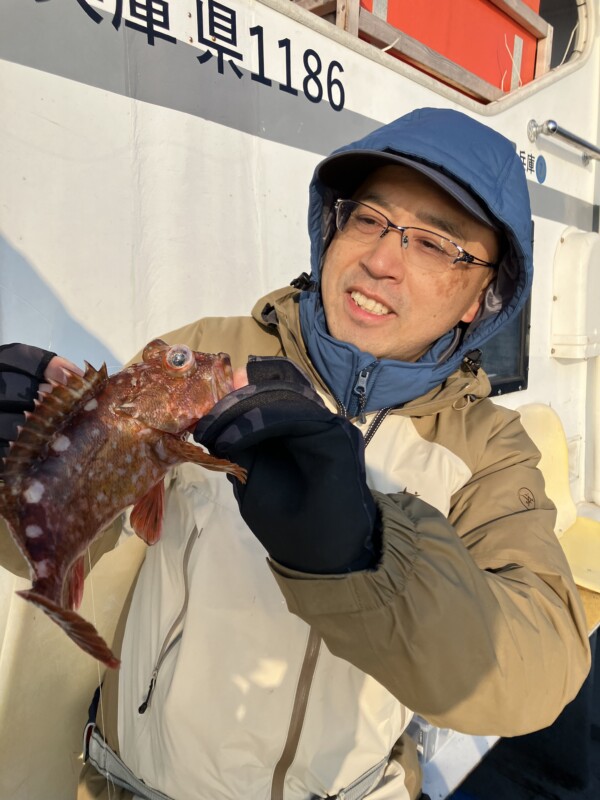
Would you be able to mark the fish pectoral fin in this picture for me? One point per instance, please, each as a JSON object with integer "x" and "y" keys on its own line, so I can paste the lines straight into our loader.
{"x": 143, "y": 410}
{"x": 147, "y": 514}
{"x": 78, "y": 629}
{"x": 184, "y": 451}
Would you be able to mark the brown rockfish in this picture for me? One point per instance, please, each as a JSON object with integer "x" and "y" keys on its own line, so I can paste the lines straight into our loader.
{"x": 91, "y": 448}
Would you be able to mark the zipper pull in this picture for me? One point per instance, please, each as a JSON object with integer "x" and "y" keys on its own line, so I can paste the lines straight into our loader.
{"x": 146, "y": 703}
{"x": 360, "y": 389}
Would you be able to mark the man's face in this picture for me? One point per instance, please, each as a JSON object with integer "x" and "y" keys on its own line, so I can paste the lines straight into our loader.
{"x": 376, "y": 301}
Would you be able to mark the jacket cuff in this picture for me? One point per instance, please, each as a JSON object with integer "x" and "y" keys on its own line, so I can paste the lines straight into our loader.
{"x": 25, "y": 358}
{"x": 404, "y": 519}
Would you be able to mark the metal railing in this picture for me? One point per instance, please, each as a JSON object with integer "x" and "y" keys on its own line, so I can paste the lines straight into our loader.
{"x": 552, "y": 128}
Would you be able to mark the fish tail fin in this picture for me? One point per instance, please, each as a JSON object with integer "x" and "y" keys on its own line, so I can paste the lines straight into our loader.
{"x": 79, "y": 630}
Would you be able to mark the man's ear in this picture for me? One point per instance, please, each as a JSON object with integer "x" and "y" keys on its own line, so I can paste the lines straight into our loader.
{"x": 470, "y": 313}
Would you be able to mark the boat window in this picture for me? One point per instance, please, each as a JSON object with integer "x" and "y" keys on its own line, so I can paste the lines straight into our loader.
{"x": 485, "y": 49}
{"x": 506, "y": 356}
{"x": 563, "y": 16}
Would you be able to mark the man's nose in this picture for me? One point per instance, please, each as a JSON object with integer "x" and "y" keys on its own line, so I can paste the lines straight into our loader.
{"x": 386, "y": 258}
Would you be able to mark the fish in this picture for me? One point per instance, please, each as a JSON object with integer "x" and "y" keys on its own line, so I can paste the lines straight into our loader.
{"x": 91, "y": 448}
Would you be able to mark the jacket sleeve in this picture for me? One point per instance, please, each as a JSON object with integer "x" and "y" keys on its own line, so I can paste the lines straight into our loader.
{"x": 472, "y": 621}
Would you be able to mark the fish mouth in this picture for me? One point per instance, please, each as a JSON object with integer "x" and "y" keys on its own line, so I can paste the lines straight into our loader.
{"x": 223, "y": 376}
{"x": 220, "y": 385}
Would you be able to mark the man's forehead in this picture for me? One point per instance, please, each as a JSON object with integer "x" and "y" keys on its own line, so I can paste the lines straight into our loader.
{"x": 380, "y": 188}
{"x": 399, "y": 175}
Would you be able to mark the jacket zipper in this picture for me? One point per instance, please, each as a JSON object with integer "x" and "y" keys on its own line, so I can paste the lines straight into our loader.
{"x": 171, "y": 639}
{"x": 374, "y": 426}
{"x": 298, "y": 715}
{"x": 360, "y": 389}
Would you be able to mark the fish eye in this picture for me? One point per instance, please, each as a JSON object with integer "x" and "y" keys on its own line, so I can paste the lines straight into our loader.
{"x": 179, "y": 358}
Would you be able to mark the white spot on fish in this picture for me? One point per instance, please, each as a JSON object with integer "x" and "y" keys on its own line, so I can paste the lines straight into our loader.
{"x": 42, "y": 568}
{"x": 33, "y": 531}
{"x": 91, "y": 404}
{"x": 100, "y": 497}
{"x": 128, "y": 458}
{"x": 61, "y": 443}
{"x": 34, "y": 493}
{"x": 139, "y": 475}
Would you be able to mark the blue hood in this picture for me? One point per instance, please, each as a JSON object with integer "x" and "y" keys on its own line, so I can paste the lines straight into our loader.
{"x": 486, "y": 164}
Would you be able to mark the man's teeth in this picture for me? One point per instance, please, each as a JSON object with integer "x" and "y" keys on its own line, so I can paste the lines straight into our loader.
{"x": 369, "y": 304}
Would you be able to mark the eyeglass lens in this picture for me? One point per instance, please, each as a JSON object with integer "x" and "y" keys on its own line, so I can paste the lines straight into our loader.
{"x": 423, "y": 249}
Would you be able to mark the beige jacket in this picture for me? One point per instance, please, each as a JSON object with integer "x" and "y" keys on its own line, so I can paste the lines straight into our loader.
{"x": 471, "y": 618}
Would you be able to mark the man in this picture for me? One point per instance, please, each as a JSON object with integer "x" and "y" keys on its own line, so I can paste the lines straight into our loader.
{"x": 379, "y": 561}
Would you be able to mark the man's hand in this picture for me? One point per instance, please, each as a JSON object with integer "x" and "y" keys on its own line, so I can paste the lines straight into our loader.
{"x": 306, "y": 498}
{"x": 24, "y": 373}
{"x": 58, "y": 371}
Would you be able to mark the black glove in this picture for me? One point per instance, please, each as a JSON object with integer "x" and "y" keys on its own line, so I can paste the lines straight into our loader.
{"x": 22, "y": 370}
{"x": 306, "y": 498}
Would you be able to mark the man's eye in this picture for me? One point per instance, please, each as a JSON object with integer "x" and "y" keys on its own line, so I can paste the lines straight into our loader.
{"x": 367, "y": 222}
{"x": 427, "y": 243}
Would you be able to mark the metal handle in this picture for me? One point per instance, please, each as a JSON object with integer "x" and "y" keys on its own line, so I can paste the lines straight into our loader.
{"x": 552, "y": 128}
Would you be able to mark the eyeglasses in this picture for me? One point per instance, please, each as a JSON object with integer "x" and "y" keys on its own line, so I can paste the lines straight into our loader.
{"x": 424, "y": 249}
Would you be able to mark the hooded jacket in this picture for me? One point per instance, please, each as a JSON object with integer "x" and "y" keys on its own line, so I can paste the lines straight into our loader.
{"x": 272, "y": 684}
{"x": 482, "y": 161}
{"x": 471, "y": 618}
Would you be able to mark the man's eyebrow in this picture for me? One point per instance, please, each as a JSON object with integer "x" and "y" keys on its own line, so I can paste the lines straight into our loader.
{"x": 373, "y": 197}
{"x": 441, "y": 223}
{"x": 448, "y": 226}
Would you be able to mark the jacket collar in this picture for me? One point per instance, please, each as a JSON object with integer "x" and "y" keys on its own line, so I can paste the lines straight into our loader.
{"x": 419, "y": 388}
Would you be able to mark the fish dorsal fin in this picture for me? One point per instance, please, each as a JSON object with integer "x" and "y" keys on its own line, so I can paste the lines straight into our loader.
{"x": 50, "y": 415}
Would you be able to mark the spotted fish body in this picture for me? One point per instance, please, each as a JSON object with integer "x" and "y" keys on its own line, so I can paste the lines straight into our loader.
{"x": 93, "y": 447}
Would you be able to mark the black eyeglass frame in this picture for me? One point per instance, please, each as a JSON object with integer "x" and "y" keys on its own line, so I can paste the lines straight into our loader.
{"x": 464, "y": 257}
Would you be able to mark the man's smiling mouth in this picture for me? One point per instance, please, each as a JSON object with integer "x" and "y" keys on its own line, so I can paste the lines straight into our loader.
{"x": 368, "y": 304}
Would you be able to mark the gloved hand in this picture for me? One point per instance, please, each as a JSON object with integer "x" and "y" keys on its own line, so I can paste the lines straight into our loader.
{"x": 21, "y": 372}
{"x": 306, "y": 498}
{"x": 23, "y": 369}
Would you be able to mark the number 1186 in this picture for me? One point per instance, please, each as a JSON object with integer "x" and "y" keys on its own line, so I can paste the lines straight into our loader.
{"x": 315, "y": 83}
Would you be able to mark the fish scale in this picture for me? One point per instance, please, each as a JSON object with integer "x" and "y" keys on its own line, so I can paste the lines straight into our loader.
{"x": 93, "y": 447}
